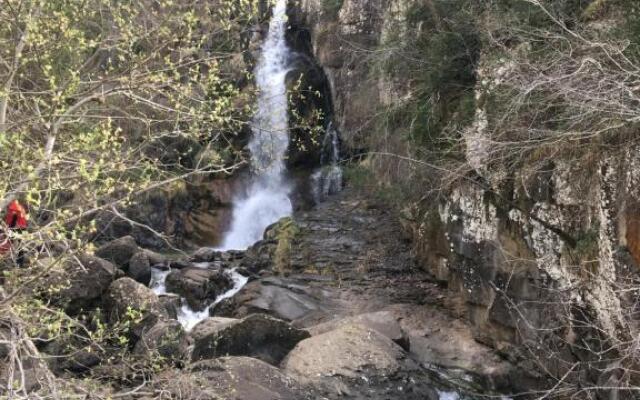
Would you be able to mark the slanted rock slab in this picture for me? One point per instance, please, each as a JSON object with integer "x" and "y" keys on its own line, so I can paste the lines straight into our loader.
{"x": 258, "y": 335}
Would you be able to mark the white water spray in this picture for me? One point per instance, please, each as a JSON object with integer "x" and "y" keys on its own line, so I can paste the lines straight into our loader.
{"x": 268, "y": 197}
{"x": 328, "y": 179}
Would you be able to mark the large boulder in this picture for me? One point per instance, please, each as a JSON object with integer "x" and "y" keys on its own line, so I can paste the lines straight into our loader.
{"x": 231, "y": 378}
{"x": 140, "y": 268}
{"x": 199, "y": 286}
{"x": 258, "y": 336}
{"x": 166, "y": 339}
{"x": 345, "y": 351}
{"x": 359, "y": 362}
{"x": 79, "y": 283}
{"x": 119, "y": 251}
{"x": 130, "y": 302}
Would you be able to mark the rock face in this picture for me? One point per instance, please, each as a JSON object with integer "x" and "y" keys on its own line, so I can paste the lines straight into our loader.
{"x": 199, "y": 286}
{"x": 524, "y": 251}
{"x": 258, "y": 336}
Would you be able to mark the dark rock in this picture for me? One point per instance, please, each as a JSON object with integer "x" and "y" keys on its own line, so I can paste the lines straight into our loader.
{"x": 179, "y": 264}
{"x": 119, "y": 251}
{"x": 130, "y": 301}
{"x": 198, "y": 285}
{"x": 228, "y": 378}
{"x": 156, "y": 260}
{"x": 79, "y": 284}
{"x": 166, "y": 339}
{"x": 64, "y": 355}
{"x": 140, "y": 268}
{"x": 171, "y": 303}
{"x": 257, "y": 336}
{"x": 211, "y": 324}
{"x": 206, "y": 254}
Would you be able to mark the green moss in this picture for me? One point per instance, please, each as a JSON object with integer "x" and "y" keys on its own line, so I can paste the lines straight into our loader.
{"x": 286, "y": 232}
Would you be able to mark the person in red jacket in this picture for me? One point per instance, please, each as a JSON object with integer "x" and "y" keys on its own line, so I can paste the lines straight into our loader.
{"x": 15, "y": 219}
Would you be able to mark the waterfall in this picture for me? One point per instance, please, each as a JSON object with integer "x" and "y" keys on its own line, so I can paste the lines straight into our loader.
{"x": 267, "y": 199}
{"x": 328, "y": 178}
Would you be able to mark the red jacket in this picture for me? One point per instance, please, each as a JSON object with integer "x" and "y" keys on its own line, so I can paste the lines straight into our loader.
{"x": 16, "y": 217}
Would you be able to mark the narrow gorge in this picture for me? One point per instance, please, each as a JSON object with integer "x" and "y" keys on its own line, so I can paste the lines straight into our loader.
{"x": 320, "y": 199}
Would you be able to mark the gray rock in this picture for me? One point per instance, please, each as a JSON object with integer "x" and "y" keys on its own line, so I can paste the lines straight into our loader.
{"x": 199, "y": 286}
{"x": 130, "y": 301}
{"x": 231, "y": 378}
{"x": 209, "y": 325}
{"x": 119, "y": 251}
{"x": 140, "y": 268}
{"x": 166, "y": 339}
{"x": 258, "y": 336}
{"x": 171, "y": 303}
{"x": 79, "y": 284}
{"x": 279, "y": 297}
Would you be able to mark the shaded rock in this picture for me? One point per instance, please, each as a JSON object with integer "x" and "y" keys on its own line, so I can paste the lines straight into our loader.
{"x": 209, "y": 325}
{"x": 166, "y": 339}
{"x": 64, "y": 355}
{"x": 128, "y": 300}
{"x": 198, "y": 285}
{"x": 119, "y": 251}
{"x": 171, "y": 303}
{"x": 140, "y": 268}
{"x": 205, "y": 254}
{"x": 79, "y": 284}
{"x": 257, "y": 335}
{"x": 231, "y": 378}
{"x": 156, "y": 260}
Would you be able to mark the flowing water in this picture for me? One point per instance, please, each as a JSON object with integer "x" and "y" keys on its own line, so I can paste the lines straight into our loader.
{"x": 267, "y": 199}
{"x": 327, "y": 179}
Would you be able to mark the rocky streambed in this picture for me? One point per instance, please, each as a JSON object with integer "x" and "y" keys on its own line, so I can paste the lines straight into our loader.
{"x": 332, "y": 306}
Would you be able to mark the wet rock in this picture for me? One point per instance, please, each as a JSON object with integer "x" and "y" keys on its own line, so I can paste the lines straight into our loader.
{"x": 119, "y": 251}
{"x": 171, "y": 303}
{"x": 79, "y": 284}
{"x": 166, "y": 339}
{"x": 257, "y": 336}
{"x": 128, "y": 300}
{"x": 140, "y": 268}
{"x": 279, "y": 297}
{"x": 231, "y": 378}
{"x": 199, "y": 286}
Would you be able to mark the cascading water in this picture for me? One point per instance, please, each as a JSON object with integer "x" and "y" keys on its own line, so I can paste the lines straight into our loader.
{"x": 267, "y": 199}
{"x": 328, "y": 179}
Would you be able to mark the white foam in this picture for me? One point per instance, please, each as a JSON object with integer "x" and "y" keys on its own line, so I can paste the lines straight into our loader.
{"x": 190, "y": 318}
